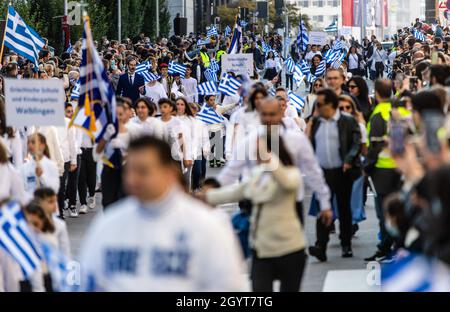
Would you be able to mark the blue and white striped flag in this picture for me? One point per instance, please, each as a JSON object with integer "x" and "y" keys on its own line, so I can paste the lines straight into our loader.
{"x": 211, "y": 75}
{"x": 227, "y": 31}
{"x": 244, "y": 24}
{"x": 272, "y": 92}
{"x": 290, "y": 64}
{"x": 298, "y": 74}
{"x": 57, "y": 265}
{"x": 22, "y": 38}
{"x": 212, "y": 31}
{"x": 70, "y": 48}
{"x": 206, "y": 88}
{"x": 75, "y": 95}
{"x": 266, "y": 47}
{"x": 303, "y": 37}
{"x": 177, "y": 68}
{"x": 337, "y": 63}
{"x": 296, "y": 101}
{"x": 236, "y": 40}
{"x": 97, "y": 102}
{"x": 419, "y": 35}
{"x": 333, "y": 55}
{"x": 229, "y": 85}
{"x": 209, "y": 116}
{"x": 148, "y": 76}
{"x": 143, "y": 67}
{"x": 339, "y": 45}
{"x": 310, "y": 78}
{"x": 201, "y": 42}
{"x": 16, "y": 239}
{"x": 306, "y": 68}
{"x": 214, "y": 65}
{"x": 321, "y": 68}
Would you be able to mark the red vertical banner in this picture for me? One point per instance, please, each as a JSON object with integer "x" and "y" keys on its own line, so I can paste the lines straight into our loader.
{"x": 385, "y": 13}
{"x": 347, "y": 12}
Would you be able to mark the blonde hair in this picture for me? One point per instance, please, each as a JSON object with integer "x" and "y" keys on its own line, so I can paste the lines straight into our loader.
{"x": 356, "y": 113}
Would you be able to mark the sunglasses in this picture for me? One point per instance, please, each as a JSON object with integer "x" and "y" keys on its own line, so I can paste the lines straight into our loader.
{"x": 318, "y": 85}
{"x": 352, "y": 86}
{"x": 345, "y": 107}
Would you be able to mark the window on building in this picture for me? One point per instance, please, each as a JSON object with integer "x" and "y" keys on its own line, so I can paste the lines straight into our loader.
{"x": 318, "y": 3}
{"x": 303, "y": 3}
{"x": 320, "y": 19}
{"x": 333, "y": 3}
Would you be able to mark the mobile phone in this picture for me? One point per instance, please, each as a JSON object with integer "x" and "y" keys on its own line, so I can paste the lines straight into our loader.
{"x": 433, "y": 122}
{"x": 413, "y": 83}
{"x": 397, "y": 136}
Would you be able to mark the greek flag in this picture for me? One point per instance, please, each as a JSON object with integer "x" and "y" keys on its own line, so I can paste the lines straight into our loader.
{"x": 227, "y": 30}
{"x": 75, "y": 91}
{"x": 339, "y": 45}
{"x": 290, "y": 64}
{"x": 236, "y": 40}
{"x": 210, "y": 75}
{"x": 333, "y": 27}
{"x": 22, "y": 38}
{"x": 97, "y": 103}
{"x": 298, "y": 74}
{"x": 214, "y": 65}
{"x": 305, "y": 67}
{"x": 209, "y": 116}
{"x": 296, "y": 101}
{"x": 206, "y": 88}
{"x": 302, "y": 38}
{"x": 57, "y": 265}
{"x": 212, "y": 31}
{"x": 70, "y": 48}
{"x": 272, "y": 92}
{"x": 337, "y": 63}
{"x": 266, "y": 47}
{"x": 333, "y": 55}
{"x": 244, "y": 24}
{"x": 16, "y": 239}
{"x": 201, "y": 42}
{"x": 143, "y": 67}
{"x": 320, "y": 70}
{"x": 149, "y": 76}
{"x": 419, "y": 35}
{"x": 311, "y": 78}
{"x": 229, "y": 85}
{"x": 177, "y": 68}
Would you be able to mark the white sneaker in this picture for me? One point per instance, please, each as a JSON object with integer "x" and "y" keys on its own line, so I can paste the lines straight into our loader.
{"x": 73, "y": 212}
{"x": 83, "y": 209}
{"x": 91, "y": 202}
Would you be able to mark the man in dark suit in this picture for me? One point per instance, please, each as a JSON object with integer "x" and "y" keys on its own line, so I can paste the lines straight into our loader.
{"x": 336, "y": 138}
{"x": 131, "y": 85}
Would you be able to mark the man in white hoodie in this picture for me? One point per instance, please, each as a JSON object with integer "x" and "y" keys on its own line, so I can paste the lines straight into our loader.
{"x": 159, "y": 238}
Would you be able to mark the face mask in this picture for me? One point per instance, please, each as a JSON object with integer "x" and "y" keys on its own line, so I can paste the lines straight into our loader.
{"x": 391, "y": 229}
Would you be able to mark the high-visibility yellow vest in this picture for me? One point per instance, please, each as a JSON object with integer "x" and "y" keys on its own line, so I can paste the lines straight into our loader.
{"x": 219, "y": 54}
{"x": 205, "y": 59}
{"x": 385, "y": 160}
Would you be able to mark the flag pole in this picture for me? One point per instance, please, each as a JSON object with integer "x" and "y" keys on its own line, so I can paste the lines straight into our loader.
{"x": 3, "y": 42}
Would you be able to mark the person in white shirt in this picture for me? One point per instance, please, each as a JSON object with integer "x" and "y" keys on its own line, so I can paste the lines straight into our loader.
{"x": 185, "y": 115}
{"x": 378, "y": 59}
{"x": 314, "y": 51}
{"x": 53, "y": 144}
{"x": 144, "y": 121}
{"x": 190, "y": 86}
{"x": 168, "y": 241}
{"x": 175, "y": 135}
{"x": 112, "y": 150}
{"x": 67, "y": 139}
{"x": 87, "y": 178}
{"x": 39, "y": 171}
{"x": 47, "y": 199}
{"x": 289, "y": 110}
{"x": 155, "y": 91}
{"x": 177, "y": 89}
{"x": 11, "y": 186}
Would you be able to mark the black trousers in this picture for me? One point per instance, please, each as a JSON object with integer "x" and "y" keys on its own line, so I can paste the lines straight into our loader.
{"x": 198, "y": 172}
{"x": 88, "y": 175}
{"x": 287, "y": 269}
{"x": 289, "y": 81}
{"x": 340, "y": 185}
{"x": 299, "y": 208}
{"x": 62, "y": 188}
{"x": 72, "y": 182}
{"x": 112, "y": 189}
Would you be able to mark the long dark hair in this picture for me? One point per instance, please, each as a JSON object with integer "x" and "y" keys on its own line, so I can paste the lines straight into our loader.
{"x": 150, "y": 105}
{"x": 34, "y": 208}
{"x": 251, "y": 99}
{"x": 362, "y": 86}
{"x": 283, "y": 154}
{"x": 187, "y": 109}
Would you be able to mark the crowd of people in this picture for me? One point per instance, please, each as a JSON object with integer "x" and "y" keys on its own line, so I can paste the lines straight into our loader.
{"x": 159, "y": 230}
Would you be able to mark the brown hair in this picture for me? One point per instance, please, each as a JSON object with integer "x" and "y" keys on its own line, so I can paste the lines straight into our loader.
{"x": 3, "y": 154}
{"x": 42, "y": 140}
{"x": 3, "y": 128}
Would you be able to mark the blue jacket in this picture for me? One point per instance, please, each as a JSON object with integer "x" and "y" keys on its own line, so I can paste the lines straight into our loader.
{"x": 125, "y": 89}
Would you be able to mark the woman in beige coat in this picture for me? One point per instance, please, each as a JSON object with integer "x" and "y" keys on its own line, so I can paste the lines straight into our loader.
{"x": 276, "y": 234}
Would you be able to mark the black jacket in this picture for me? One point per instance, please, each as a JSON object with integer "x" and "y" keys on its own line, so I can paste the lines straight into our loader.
{"x": 125, "y": 89}
{"x": 349, "y": 139}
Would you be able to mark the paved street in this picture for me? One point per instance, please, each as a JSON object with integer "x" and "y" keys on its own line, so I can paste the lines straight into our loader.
{"x": 314, "y": 278}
